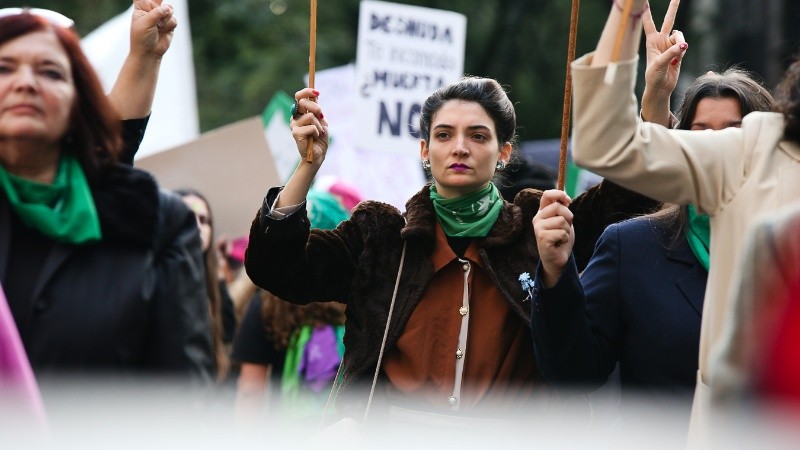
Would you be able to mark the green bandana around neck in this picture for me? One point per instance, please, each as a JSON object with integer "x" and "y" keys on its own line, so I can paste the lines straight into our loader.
{"x": 471, "y": 215}
{"x": 63, "y": 211}
{"x": 698, "y": 233}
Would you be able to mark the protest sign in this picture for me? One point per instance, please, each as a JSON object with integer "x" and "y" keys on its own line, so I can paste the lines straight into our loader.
{"x": 231, "y": 166}
{"x": 404, "y": 53}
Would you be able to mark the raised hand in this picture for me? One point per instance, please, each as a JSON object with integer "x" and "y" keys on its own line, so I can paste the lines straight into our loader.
{"x": 308, "y": 123}
{"x": 620, "y": 38}
{"x": 152, "y": 27}
{"x": 665, "y": 49}
{"x": 555, "y": 235}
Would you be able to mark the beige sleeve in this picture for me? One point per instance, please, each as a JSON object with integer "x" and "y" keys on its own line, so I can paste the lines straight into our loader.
{"x": 704, "y": 168}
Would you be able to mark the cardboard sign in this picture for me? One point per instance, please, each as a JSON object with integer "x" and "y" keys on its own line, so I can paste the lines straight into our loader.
{"x": 231, "y": 166}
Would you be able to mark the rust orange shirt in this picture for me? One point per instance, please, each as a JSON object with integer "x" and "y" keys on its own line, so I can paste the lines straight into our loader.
{"x": 475, "y": 331}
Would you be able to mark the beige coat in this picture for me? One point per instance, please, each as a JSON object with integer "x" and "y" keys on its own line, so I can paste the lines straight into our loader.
{"x": 767, "y": 283}
{"x": 733, "y": 175}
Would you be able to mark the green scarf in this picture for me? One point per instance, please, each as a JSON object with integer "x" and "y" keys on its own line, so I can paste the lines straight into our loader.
{"x": 63, "y": 211}
{"x": 471, "y": 215}
{"x": 698, "y": 233}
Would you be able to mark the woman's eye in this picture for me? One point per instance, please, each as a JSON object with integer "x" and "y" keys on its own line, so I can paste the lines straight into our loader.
{"x": 479, "y": 137}
{"x": 53, "y": 74}
{"x": 442, "y": 135}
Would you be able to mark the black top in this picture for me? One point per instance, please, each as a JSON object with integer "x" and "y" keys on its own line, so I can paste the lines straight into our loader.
{"x": 459, "y": 244}
{"x": 132, "y": 135}
{"x": 228, "y": 314}
{"x": 252, "y": 345}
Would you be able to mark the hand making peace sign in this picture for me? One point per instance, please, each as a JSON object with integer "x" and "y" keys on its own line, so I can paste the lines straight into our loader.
{"x": 665, "y": 49}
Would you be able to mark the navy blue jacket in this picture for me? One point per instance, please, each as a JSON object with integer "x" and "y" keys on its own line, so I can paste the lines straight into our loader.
{"x": 639, "y": 303}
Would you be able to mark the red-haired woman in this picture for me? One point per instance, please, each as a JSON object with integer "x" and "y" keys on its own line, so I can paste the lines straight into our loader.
{"x": 102, "y": 270}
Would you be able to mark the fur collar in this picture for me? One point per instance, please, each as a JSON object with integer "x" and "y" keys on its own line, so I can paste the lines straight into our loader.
{"x": 127, "y": 205}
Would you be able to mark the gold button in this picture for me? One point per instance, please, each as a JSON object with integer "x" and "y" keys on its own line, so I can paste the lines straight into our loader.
{"x": 452, "y": 401}
{"x": 463, "y": 310}
{"x": 459, "y": 354}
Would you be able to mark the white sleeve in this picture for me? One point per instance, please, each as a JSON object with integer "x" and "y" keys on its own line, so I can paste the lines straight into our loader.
{"x": 283, "y": 211}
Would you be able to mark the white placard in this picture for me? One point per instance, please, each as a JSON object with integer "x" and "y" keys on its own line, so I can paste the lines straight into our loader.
{"x": 390, "y": 177}
{"x": 174, "y": 120}
{"x": 404, "y": 53}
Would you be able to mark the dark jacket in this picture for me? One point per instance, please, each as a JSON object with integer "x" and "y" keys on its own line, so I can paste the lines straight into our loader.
{"x": 603, "y": 204}
{"x": 640, "y": 303}
{"x": 133, "y": 302}
{"x": 357, "y": 263}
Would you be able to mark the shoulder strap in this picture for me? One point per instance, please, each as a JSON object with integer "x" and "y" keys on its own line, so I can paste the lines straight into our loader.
{"x": 385, "y": 332}
{"x": 335, "y": 388}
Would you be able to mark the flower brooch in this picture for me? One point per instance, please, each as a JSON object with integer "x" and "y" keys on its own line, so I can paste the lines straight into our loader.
{"x": 527, "y": 284}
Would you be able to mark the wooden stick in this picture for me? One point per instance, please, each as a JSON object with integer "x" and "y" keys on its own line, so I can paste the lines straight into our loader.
{"x": 562, "y": 158}
{"x": 626, "y": 16}
{"x": 312, "y": 67}
{"x": 611, "y": 70}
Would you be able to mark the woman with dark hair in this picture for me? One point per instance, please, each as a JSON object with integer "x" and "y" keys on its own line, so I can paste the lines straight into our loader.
{"x": 640, "y": 299}
{"x": 457, "y": 242}
{"x": 735, "y": 84}
{"x": 220, "y": 306}
{"x": 734, "y": 175}
{"x": 437, "y": 298}
{"x": 98, "y": 265}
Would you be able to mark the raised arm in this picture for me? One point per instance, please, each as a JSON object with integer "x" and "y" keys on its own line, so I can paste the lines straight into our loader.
{"x": 280, "y": 256}
{"x": 663, "y": 69}
{"x": 152, "y": 26}
{"x": 630, "y": 33}
{"x": 308, "y": 122}
{"x": 666, "y": 165}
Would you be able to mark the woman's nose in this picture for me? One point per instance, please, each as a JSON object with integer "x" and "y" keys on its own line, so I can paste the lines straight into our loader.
{"x": 25, "y": 79}
{"x": 460, "y": 145}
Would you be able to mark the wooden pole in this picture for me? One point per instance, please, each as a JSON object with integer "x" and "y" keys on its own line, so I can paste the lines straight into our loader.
{"x": 562, "y": 158}
{"x": 611, "y": 70}
{"x": 619, "y": 38}
{"x": 312, "y": 67}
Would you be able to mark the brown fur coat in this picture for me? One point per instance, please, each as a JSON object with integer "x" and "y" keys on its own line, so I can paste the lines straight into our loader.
{"x": 357, "y": 262}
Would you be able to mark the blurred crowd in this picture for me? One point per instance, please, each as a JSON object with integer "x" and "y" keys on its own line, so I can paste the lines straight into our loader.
{"x": 663, "y": 298}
